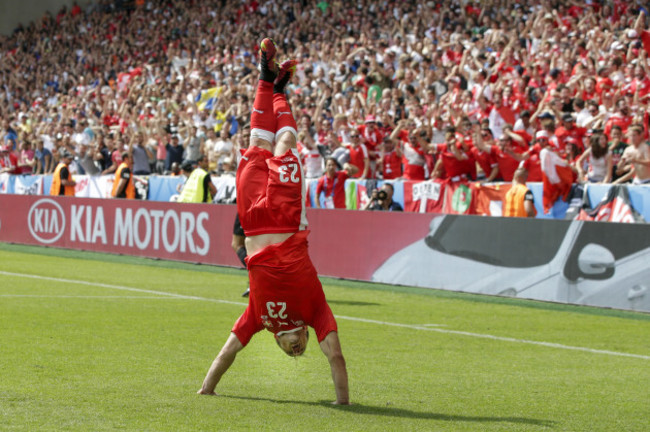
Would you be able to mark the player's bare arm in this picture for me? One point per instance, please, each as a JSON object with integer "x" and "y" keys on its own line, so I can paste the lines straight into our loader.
{"x": 220, "y": 365}
{"x": 331, "y": 347}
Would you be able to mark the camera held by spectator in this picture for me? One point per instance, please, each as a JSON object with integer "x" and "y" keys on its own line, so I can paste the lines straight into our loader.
{"x": 379, "y": 195}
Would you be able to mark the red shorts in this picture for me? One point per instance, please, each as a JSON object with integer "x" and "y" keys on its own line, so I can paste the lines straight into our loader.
{"x": 270, "y": 192}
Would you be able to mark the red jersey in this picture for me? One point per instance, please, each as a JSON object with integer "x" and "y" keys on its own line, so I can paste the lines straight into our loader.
{"x": 533, "y": 164}
{"x": 334, "y": 189}
{"x": 645, "y": 40}
{"x": 10, "y": 161}
{"x": 270, "y": 192}
{"x": 620, "y": 120}
{"x": 484, "y": 159}
{"x": 577, "y": 133}
{"x": 453, "y": 167}
{"x": 287, "y": 299}
{"x": 507, "y": 164}
{"x": 371, "y": 140}
{"x": 414, "y": 161}
{"x": 358, "y": 155}
{"x": 391, "y": 166}
{"x": 642, "y": 84}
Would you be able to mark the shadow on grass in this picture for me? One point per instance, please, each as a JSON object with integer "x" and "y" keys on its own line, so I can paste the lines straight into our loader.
{"x": 352, "y": 303}
{"x": 389, "y": 411}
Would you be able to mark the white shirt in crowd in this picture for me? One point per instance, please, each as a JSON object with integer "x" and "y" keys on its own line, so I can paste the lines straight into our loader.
{"x": 313, "y": 163}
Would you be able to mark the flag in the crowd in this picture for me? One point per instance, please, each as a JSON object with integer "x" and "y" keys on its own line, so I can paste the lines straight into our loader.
{"x": 226, "y": 189}
{"x": 458, "y": 198}
{"x": 615, "y": 207}
{"x": 220, "y": 120}
{"x": 4, "y": 182}
{"x": 557, "y": 178}
{"x": 489, "y": 199}
{"x": 356, "y": 194}
{"x": 424, "y": 197}
{"x": 207, "y": 98}
{"x": 123, "y": 78}
{"x": 351, "y": 195}
{"x": 28, "y": 185}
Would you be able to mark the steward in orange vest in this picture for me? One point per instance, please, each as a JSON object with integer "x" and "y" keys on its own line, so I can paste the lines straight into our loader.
{"x": 519, "y": 199}
{"x": 62, "y": 183}
{"x": 123, "y": 183}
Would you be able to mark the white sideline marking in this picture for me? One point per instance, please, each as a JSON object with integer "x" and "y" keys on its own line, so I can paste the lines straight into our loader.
{"x": 425, "y": 327}
{"x": 119, "y": 287}
{"x": 499, "y": 338}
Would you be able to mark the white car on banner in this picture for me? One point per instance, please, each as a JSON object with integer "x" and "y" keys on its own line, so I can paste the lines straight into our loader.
{"x": 589, "y": 263}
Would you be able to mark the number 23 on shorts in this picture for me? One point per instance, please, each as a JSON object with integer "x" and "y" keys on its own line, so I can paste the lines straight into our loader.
{"x": 288, "y": 173}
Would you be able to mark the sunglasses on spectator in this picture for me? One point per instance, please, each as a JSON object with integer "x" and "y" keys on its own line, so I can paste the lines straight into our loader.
{"x": 354, "y": 136}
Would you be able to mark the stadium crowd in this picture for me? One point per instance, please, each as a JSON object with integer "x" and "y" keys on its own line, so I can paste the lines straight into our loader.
{"x": 448, "y": 90}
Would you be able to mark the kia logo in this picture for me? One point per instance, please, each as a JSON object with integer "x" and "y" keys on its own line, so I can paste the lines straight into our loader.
{"x": 46, "y": 221}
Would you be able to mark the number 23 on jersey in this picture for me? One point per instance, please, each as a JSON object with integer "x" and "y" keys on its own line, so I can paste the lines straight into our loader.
{"x": 276, "y": 310}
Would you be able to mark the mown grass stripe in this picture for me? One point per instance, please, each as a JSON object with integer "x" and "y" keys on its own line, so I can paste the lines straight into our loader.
{"x": 422, "y": 327}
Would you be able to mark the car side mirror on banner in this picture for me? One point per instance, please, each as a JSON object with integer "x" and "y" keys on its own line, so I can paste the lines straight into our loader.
{"x": 596, "y": 262}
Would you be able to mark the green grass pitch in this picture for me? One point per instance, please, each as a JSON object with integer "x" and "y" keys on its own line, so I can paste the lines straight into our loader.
{"x": 92, "y": 342}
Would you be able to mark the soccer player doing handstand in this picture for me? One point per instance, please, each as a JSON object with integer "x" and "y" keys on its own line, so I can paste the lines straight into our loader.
{"x": 285, "y": 293}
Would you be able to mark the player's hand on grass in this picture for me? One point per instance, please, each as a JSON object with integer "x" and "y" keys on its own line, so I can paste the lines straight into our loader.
{"x": 206, "y": 393}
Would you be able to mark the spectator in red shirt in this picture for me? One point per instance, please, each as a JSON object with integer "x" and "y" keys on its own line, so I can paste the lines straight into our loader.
{"x": 358, "y": 155}
{"x": 372, "y": 137}
{"x": 503, "y": 154}
{"x": 453, "y": 163}
{"x": 568, "y": 129}
{"x": 8, "y": 161}
{"x": 391, "y": 159}
{"x": 330, "y": 189}
{"x": 484, "y": 159}
{"x": 413, "y": 154}
{"x": 621, "y": 118}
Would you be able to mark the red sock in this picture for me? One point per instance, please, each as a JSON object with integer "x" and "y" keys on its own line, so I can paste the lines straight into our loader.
{"x": 262, "y": 118}
{"x": 283, "y": 115}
